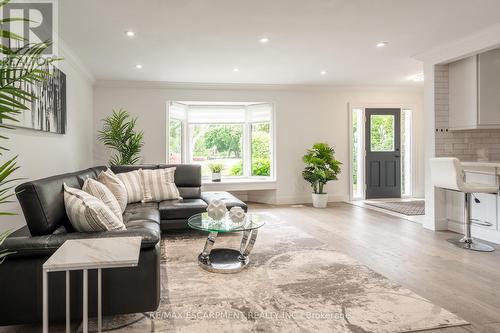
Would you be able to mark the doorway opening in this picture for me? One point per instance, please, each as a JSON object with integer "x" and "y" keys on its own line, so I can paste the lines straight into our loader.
{"x": 381, "y": 152}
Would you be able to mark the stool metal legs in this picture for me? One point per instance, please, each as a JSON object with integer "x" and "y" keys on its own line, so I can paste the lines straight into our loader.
{"x": 467, "y": 242}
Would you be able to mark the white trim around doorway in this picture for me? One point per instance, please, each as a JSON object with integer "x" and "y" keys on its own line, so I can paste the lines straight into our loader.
{"x": 361, "y": 144}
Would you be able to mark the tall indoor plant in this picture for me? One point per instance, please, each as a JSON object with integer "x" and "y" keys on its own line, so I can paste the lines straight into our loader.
{"x": 119, "y": 134}
{"x": 19, "y": 69}
{"x": 321, "y": 167}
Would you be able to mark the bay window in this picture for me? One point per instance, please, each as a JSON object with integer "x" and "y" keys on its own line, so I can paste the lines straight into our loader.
{"x": 238, "y": 136}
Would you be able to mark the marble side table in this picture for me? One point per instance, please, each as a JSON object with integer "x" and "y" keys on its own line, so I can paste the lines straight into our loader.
{"x": 85, "y": 254}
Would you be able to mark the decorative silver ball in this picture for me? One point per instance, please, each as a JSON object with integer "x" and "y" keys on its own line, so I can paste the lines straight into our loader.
{"x": 216, "y": 209}
{"x": 237, "y": 214}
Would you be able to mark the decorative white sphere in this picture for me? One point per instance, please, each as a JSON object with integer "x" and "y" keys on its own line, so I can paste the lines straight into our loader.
{"x": 237, "y": 214}
{"x": 216, "y": 209}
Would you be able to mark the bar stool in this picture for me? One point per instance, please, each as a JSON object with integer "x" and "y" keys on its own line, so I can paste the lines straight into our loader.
{"x": 447, "y": 173}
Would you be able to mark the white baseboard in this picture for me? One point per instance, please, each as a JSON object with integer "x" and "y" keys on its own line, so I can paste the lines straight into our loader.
{"x": 292, "y": 200}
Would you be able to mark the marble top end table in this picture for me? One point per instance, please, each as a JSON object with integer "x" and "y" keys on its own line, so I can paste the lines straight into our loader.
{"x": 85, "y": 254}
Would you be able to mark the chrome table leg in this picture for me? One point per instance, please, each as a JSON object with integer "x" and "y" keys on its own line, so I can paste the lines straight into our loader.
{"x": 68, "y": 320}
{"x": 85, "y": 328}
{"x": 99, "y": 300}
{"x": 45, "y": 298}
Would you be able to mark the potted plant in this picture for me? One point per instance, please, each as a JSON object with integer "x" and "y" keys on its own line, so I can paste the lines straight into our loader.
{"x": 321, "y": 167}
{"x": 216, "y": 169}
{"x": 119, "y": 134}
{"x": 20, "y": 71}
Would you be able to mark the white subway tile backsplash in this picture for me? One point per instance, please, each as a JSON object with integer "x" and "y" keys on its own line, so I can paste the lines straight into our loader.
{"x": 460, "y": 144}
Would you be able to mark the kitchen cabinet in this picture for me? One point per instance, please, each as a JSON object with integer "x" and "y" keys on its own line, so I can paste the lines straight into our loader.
{"x": 474, "y": 92}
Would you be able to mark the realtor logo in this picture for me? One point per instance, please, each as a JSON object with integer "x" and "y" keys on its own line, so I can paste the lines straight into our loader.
{"x": 39, "y": 25}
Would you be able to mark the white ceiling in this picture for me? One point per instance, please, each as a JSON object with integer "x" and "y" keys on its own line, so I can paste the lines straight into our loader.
{"x": 203, "y": 40}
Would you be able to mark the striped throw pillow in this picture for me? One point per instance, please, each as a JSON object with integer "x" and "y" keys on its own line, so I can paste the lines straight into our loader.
{"x": 116, "y": 186}
{"x": 159, "y": 185}
{"x": 88, "y": 213}
{"x": 133, "y": 184}
{"x": 100, "y": 191}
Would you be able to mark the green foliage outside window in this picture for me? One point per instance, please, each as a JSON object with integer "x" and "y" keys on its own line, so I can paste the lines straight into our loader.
{"x": 382, "y": 132}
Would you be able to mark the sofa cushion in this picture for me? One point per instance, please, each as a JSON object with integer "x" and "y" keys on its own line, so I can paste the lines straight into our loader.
{"x": 100, "y": 191}
{"x": 25, "y": 245}
{"x": 88, "y": 213}
{"x": 229, "y": 199}
{"x": 141, "y": 211}
{"x": 84, "y": 174}
{"x": 133, "y": 183}
{"x": 181, "y": 209}
{"x": 186, "y": 175}
{"x": 116, "y": 186}
{"x": 42, "y": 202}
{"x": 189, "y": 192}
{"x": 159, "y": 185}
{"x": 127, "y": 168}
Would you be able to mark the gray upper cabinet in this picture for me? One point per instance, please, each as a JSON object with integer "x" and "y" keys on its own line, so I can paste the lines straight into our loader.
{"x": 474, "y": 87}
{"x": 489, "y": 88}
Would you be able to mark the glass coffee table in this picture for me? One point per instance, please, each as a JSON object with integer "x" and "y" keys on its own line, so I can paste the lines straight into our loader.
{"x": 222, "y": 260}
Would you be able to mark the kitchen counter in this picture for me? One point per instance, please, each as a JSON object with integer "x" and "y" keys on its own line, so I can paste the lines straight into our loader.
{"x": 487, "y": 164}
{"x": 487, "y": 168}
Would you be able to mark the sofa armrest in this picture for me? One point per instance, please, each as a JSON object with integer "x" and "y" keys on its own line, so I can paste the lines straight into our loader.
{"x": 46, "y": 245}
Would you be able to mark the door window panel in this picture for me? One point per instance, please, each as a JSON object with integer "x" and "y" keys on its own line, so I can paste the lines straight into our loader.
{"x": 381, "y": 132}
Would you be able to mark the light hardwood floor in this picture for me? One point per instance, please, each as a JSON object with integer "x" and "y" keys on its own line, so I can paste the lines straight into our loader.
{"x": 464, "y": 282}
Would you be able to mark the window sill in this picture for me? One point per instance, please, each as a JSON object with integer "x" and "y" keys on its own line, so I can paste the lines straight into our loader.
{"x": 239, "y": 184}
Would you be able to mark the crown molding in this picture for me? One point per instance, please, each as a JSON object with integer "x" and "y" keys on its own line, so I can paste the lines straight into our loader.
{"x": 68, "y": 55}
{"x": 475, "y": 43}
{"x": 244, "y": 86}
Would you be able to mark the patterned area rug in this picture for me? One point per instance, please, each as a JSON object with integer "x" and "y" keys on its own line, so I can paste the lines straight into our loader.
{"x": 294, "y": 283}
{"x": 413, "y": 207}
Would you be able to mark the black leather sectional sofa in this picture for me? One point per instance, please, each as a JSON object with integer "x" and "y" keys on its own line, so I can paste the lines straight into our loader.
{"x": 125, "y": 290}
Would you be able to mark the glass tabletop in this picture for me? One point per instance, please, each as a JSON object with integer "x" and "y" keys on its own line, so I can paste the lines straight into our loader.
{"x": 205, "y": 223}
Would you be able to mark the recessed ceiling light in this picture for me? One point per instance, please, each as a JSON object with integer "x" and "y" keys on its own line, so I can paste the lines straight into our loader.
{"x": 382, "y": 44}
{"x": 236, "y": 69}
{"x": 138, "y": 66}
{"x": 264, "y": 40}
{"x": 417, "y": 77}
{"x": 323, "y": 72}
{"x": 130, "y": 33}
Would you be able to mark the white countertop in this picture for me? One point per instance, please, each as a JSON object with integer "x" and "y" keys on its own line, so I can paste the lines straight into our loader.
{"x": 95, "y": 253}
{"x": 488, "y": 164}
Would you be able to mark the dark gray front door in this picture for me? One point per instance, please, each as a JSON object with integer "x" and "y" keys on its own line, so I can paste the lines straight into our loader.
{"x": 383, "y": 155}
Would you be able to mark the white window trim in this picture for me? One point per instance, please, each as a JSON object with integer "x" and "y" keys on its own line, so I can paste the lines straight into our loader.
{"x": 247, "y": 141}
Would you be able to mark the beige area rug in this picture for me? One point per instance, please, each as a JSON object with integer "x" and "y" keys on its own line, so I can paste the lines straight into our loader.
{"x": 294, "y": 283}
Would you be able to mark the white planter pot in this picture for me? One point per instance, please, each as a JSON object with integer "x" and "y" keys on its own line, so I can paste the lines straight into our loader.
{"x": 216, "y": 177}
{"x": 320, "y": 200}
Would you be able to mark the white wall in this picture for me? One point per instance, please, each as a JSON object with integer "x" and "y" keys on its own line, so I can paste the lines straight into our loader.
{"x": 478, "y": 42}
{"x": 304, "y": 115}
{"x": 45, "y": 154}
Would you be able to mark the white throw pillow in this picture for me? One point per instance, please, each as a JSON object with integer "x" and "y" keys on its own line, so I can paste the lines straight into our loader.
{"x": 88, "y": 213}
{"x": 116, "y": 186}
{"x": 133, "y": 184}
{"x": 100, "y": 191}
{"x": 159, "y": 185}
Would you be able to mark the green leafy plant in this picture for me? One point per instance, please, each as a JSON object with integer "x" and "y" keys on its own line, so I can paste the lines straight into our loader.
{"x": 19, "y": 70}
{"x": 119, "y": 133}
{"x": 260, "y": 167}
{"x": 321, "y": 166}
{"x": 216, "y": 167}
